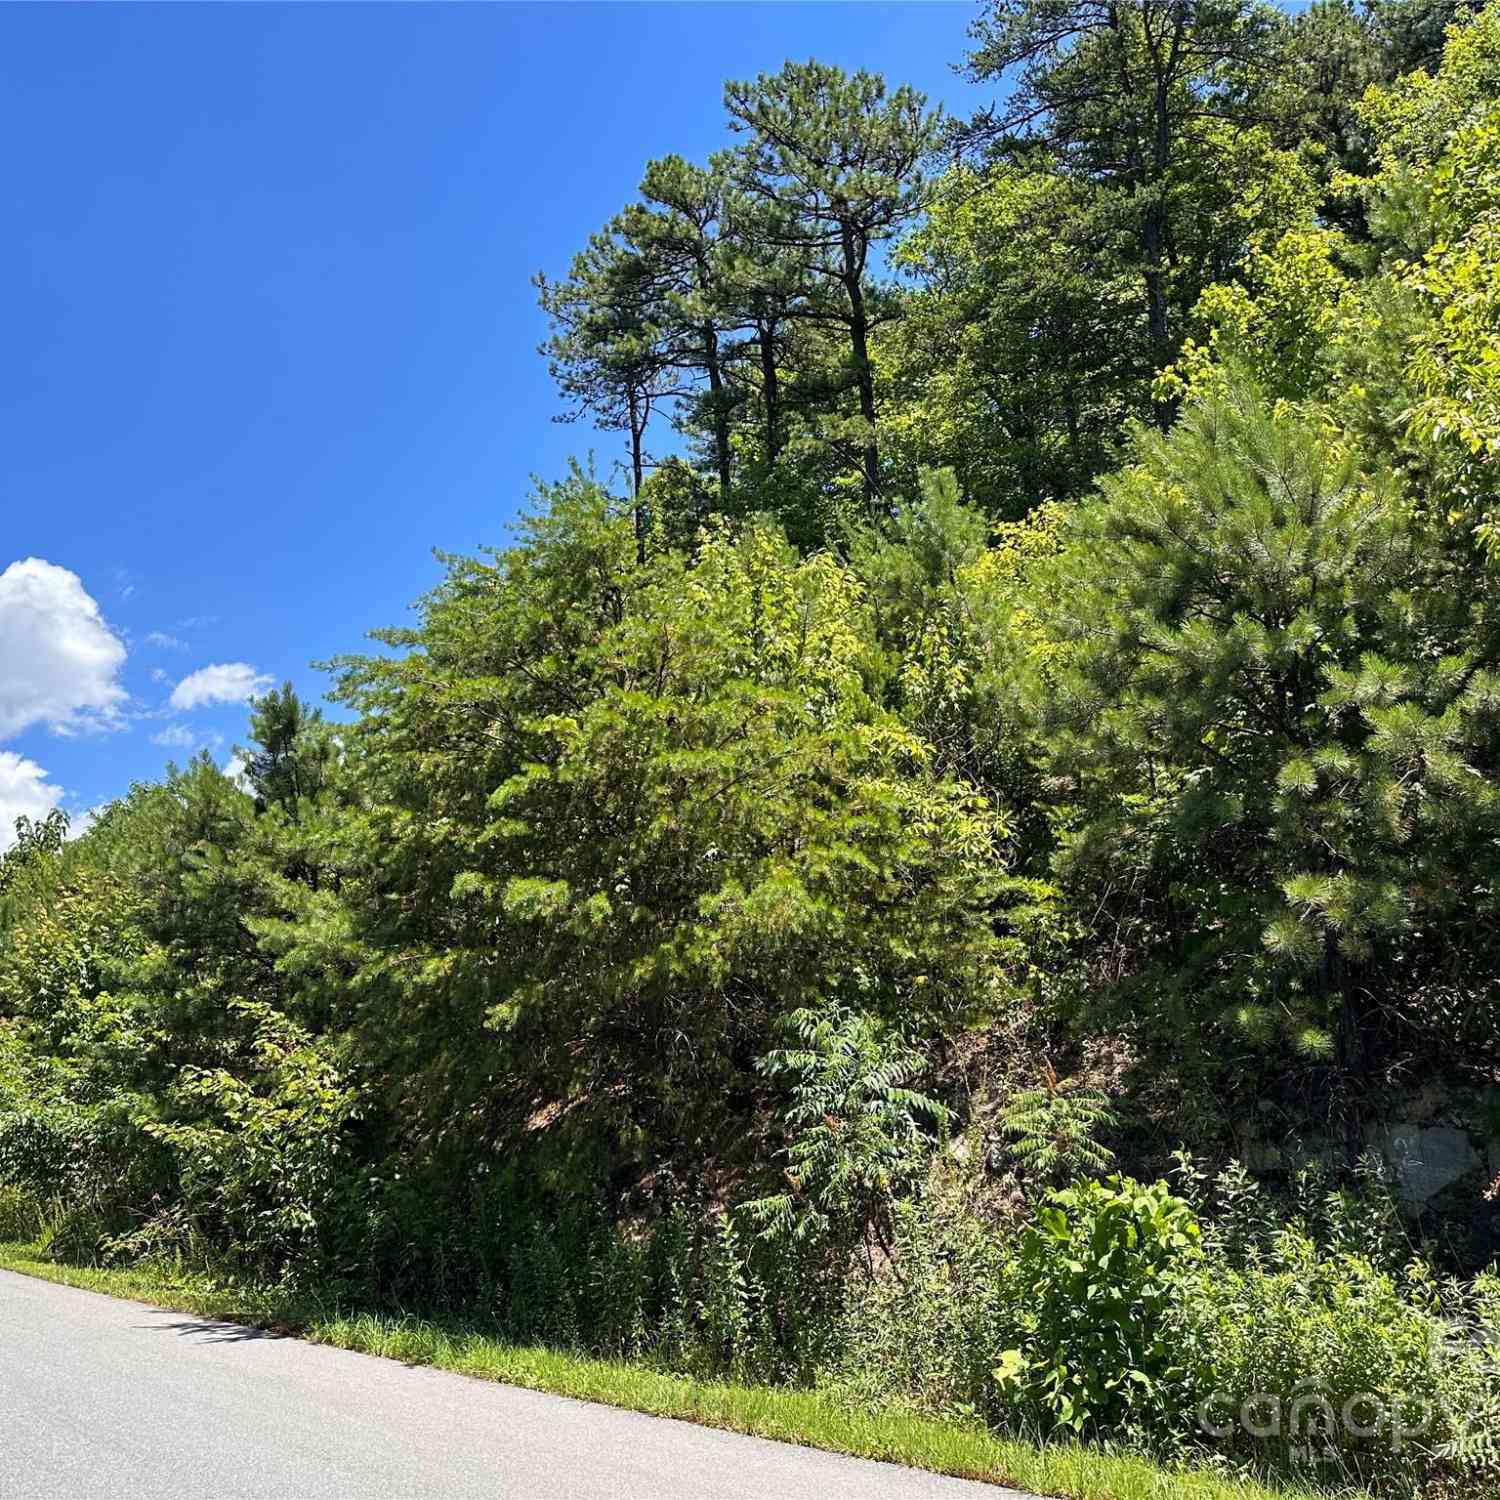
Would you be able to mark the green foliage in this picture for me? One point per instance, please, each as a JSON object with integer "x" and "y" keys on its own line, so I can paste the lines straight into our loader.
{"x": 606, "y": 351}
{"x": 22, "y": 1217}
{"x": 855, "y": 1135}
{"x": 1143, "y": 109}
{"x": 739, "y": 295}
{"x": 1454, "y": 362}
{"x": 1053, "y": 1131}
{"x": 677, "y": 816}
{"x": 259, "y": 1158}
{"x": 926, "y": 1338}
{"x": 1016, "y": 311}
{"x": 1096, "y": 1274}
{"x": 1413, "y": 118}
{"x": 291, "y": 763}
{"x": 1250, "y": 1339}
{"x": 1310, "y": 1359}
{"x": 836, "y": 166}
{"x": 37, "y": 841}
{"x": 1266, "y": 663}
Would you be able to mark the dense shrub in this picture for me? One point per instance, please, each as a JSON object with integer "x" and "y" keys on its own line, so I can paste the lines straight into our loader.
{"x": 260, "y": 1159}
{"x": 1094, "y": 1276}
{"x": 1314, "y": 1358}
{"x": 1212, "y": 1343}
{"x": 926, "y": 1334}
{"x": 21, "y": 1214}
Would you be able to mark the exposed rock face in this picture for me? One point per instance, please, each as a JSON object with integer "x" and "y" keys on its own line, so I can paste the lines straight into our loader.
{"x": 1427, "y": 1158}
{"x": 1440, "y": 1144}
{"x": 1424, "y": 1159}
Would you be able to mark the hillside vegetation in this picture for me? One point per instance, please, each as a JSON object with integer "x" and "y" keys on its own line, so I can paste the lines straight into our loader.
{"x": 969, "y": 879}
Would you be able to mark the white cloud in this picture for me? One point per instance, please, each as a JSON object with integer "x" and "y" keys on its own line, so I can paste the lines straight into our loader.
{"x": 182, "y": 737}
{"x": 223, "y": 682}
{"x": 165, "y": 641}
{"x": 234, "y": 769}
{"x": 157, "y": 675}
{"x": 80, "y": 825}
{"x": 24, "y": 791}
{"x": 59, "y": 661}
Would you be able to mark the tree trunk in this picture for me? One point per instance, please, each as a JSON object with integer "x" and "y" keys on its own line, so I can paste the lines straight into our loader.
{"x": 1154, "y": 243}
{"x": 765, "y": 338}
{"x": 638, "y": 414}
{"x": 1154, "y": 236}
{"x": 1350, "y": 1050}
{"x": 721, "y": 414}
{"x": 859, "y": 328}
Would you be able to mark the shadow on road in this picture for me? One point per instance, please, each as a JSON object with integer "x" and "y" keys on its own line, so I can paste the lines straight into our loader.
{"x": 206, "y": 1332}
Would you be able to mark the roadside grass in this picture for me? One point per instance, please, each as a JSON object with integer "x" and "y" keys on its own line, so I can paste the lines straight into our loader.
{"x": 814, "y": 1419}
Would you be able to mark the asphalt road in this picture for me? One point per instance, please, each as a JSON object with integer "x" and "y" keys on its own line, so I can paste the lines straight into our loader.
{"x": 104, "y": 1398}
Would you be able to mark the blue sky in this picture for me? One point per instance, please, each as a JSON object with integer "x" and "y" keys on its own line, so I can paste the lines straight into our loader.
{"x": 270, "y": 333}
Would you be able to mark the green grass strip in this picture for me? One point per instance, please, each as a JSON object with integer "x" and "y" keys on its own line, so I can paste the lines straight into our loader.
{"x": 811, "y": 1418}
